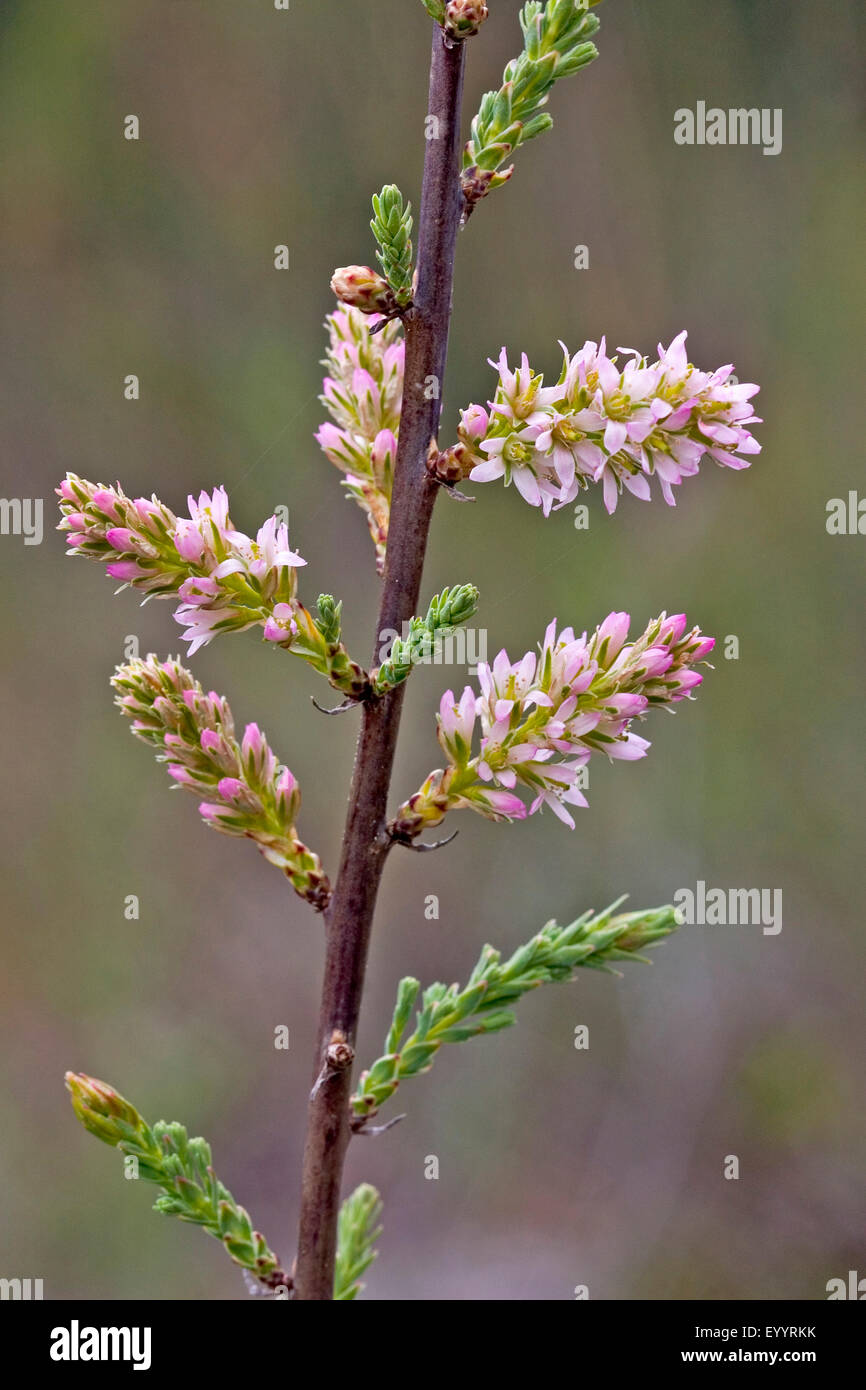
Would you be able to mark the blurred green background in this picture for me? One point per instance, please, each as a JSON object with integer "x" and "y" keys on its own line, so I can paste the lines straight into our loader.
{"x": 557, "y": 1167}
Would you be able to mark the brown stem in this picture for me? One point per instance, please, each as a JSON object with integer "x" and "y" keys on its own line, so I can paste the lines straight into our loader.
{"x": 366, "y": 843}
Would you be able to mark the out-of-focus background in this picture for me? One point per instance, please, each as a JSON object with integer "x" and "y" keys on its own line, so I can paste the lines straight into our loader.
{"x": 557, "y": 1167}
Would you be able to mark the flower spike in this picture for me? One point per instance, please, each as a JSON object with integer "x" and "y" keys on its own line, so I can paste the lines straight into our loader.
{"x": 620, "y": 426}
{"x": 542, "y": 718}
{"x": 226, "y": 581}
{"x": 362, "y": 393}
{"x": 246, "y": 791}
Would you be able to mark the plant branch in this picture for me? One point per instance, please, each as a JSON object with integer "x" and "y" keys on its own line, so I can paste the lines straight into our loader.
{"x": 450, "y": 1014}
{"x": 366, "y": 841}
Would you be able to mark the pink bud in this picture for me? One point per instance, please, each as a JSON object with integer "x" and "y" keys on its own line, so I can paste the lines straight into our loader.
{"x": 673, "y": 628}
{"x": 281, "y": 625}
{"x": 474, "y": 422}
{"x": 286, "y": 783}
{"x": 614, "y": 630}
{"x": 505, "y": 804}
{"x": 628, "y": 749}
{"x": 145, "y": 508}
{"x": 198, "y": 589}
{"x": 188, "y": 541}
{"x": 384, "y": 446}
{"x": 124, "y": 569}
{"x": 106, "y": 500}
{"x": 230, "y": 787}
{"x": 702, "y": 649}
{"x": 683, "y": 682}
{"x": 655, "y": 661}
{"x": 119, "y": 538}
{"x": 363, "y": 288}
{"x": 253, "y": 742}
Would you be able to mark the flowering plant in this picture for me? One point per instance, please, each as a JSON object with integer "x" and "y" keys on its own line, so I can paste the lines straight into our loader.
{"x": 600, "y": 423}
{"x": 514, "y": 746}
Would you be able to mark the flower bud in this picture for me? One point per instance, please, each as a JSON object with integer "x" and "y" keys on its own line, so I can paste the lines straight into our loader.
{"x": 463, "y": 18}
{"x": 363, "y": 288}
{"x": 101, "y": 1110}
{"x": 453, "y": 465}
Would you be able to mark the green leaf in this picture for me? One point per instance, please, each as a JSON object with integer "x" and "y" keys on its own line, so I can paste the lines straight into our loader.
{"x": 451, "y": 1015}
{"x": 180, "y": 1167}
{"x": 555, "y": 44}
{"x": 392, "y": 228}
{"x": 446, "y": 612}
{"x": 357, "y": 1232}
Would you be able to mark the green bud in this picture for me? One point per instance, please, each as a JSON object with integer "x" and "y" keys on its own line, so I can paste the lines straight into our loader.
{"x": 407, "y": 993}
{"x": 180, "y": 1166}
{"x": 102, "y": 1110}
{"x": 357, "y": 1232}
{"x": 392, "y": 228}
{"x": 328, "y": 618}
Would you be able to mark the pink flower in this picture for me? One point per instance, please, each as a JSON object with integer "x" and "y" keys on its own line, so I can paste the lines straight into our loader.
{"x": 474, "y": 422}
{"x": 363, "y": 393}
{"x": 611, "y": 637}
{"x": 503, "y": 804}
{"x": 606, "y": 422}
{"x": 456, "y": 723}
{"x": 180, "y": 774}
{"x": 281, "y": 625}
{"x": 119, "y": 538}
{"x": 542, "y": 718}
{"x": 246, "y": 792}
{"x": 127, "y": 570}
{"x": 189, "y": 541}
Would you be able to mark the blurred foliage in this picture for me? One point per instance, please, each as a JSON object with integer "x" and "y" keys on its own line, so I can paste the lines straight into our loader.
{"x": 261, "y": 128}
